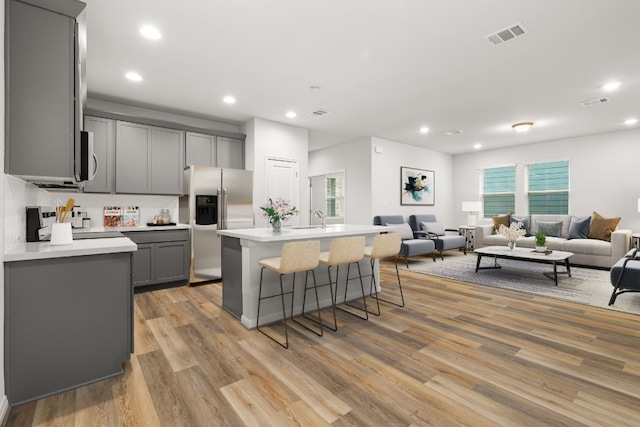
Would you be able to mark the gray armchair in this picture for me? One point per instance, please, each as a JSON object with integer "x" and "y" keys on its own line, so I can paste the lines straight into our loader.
{"x": 437, "y": 233}
{"x": 625, "y": 275}
{"x": 411, "y": 244}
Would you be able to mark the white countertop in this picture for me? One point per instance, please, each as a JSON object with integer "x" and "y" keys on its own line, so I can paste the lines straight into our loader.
{"x": 290, "y": 233}
{"x": 45, "y": 250}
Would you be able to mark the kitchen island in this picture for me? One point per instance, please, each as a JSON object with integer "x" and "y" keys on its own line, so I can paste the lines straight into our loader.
{"x": 243, "y": 248}
{"x": 68, "y": 315}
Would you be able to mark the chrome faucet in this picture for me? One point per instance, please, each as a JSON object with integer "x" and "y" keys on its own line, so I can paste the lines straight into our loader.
{"x": 322, "y": 216}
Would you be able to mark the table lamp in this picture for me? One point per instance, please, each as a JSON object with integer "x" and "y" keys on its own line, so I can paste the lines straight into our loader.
{"x": 471, "y": 207}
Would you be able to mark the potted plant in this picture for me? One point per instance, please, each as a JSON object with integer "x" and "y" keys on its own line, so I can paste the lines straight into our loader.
{"x": 541, "y": 241}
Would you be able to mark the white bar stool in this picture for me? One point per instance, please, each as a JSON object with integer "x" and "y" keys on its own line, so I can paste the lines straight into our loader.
{"x": 384, "y": 246}
{"x": 345, "y": 250}
{"x": 295, "y": 257}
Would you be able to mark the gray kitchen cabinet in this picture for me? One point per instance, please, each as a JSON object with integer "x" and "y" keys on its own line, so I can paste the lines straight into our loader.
{"x": 163, "y": 256}
{"x": 43, "y": 88}
{"x": 200, "y": 149}
{"x": 149, "y": 159}
{"x": 104, "y": 147}
{"x": 68, "y": 322}
{"x": 229, "y": 152}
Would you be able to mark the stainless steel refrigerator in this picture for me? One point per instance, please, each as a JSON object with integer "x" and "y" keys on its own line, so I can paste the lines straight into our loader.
{"x": 215, "y": 199}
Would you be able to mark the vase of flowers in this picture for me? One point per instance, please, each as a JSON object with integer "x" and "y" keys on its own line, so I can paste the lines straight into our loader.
{"x": 277, "y": 211}
{"x": 512, "y": 233}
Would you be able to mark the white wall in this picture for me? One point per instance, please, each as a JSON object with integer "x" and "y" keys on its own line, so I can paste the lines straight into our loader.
{"x": 603, "y": 173}
{"x": 355, "y": 159}
{"x": 278, "y": 140}
{"x": 386, "y": 183}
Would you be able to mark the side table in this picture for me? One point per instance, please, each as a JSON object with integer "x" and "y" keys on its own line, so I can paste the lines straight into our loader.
{"x": 635, "y": 240}
{"x": 468, "y": 231}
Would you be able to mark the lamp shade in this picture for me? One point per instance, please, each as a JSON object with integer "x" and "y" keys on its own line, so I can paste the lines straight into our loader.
{"x": 472, "y": 206}
{"x": 638, "y": 205}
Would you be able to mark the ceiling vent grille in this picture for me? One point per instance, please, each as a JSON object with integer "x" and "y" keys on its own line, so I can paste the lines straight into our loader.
{"x": 594, "y": 102}
{"x": 453, "y": 132}
{"x": 512, "y": 32}
{"x": 319, "y": 112}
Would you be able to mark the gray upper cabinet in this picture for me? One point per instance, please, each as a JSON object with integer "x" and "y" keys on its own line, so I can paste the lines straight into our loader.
{"x": 149, "y": 160}
{"x": 41, "y": 89}
{"x": 200, "y": 149}
{"x": 230, "y": 152}
{"x": 104, "y": 145}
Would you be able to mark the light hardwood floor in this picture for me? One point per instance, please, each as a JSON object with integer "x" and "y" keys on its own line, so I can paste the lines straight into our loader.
{"x": 457, "y": 354}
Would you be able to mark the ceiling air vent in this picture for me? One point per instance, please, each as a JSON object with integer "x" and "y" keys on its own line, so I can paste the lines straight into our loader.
{"x": 593, "y": 102}
{"x": 319, "y": 112}
{"x": 453, "y": 132}
{"x": 510, "y": 33}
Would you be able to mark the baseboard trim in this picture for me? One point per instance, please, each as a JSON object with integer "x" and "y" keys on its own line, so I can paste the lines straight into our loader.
{"x": 4, "y": 409}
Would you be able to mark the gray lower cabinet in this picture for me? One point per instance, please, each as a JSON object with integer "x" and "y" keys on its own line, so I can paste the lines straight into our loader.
{"x": 162, "y": 256}
{"x": 68, "y": 322}
{"x": 104, "y": 147}
{"x": 149, "y": 159}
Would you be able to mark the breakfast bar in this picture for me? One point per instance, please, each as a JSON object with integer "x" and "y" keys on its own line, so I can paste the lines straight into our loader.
{"x": 242, "y": 249}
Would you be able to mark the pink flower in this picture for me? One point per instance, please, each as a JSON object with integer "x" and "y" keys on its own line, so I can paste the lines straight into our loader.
{"x": 278, "y": 209}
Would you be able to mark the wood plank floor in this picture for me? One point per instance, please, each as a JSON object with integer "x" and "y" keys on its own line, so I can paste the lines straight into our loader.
{"x": 456, "y": 355}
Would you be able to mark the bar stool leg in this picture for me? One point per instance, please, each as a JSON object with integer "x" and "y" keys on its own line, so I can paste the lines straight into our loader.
{"x": 304, "y": 299}
{"x": 395, "y": 261}
{"x": 284, "y": 314}
{"x": 373, "y": 289}
{"x": 364, "y": 300}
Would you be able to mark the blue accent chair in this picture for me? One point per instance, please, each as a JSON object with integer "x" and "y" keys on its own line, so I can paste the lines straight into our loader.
{"x": 443, "y": 241}
{"x": 625, "y": 275}
{"x": 410, "y": 247}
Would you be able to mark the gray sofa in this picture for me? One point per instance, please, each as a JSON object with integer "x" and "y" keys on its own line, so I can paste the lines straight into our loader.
{"x": 589, "y": 252}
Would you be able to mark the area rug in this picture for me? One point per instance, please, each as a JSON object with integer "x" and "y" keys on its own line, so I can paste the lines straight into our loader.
{"x": 585, "y": 286}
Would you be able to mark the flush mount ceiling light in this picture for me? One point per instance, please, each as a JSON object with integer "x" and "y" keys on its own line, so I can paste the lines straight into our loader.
{"x": 150, "y": 32}
{"x": 291, "y": 114}
{"x": 611, "y": 86}
{"x": 133, "y": 76}
{"x": 229, "y": 100}
{"x": 424, "y": 130}
{"x": 522, "y": 126}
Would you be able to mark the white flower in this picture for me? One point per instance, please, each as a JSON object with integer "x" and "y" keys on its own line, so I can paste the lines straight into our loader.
{"x": 513, "y": 232}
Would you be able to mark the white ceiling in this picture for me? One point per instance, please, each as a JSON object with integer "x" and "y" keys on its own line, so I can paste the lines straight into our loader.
{"x": 385, "y": 67}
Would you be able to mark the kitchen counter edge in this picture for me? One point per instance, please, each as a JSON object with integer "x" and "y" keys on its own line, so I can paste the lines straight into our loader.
{"x": 84, "y": 247}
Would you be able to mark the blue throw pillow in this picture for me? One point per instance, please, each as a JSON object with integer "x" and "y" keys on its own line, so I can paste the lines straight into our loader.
{"x": 525, "y": 220}
{"x": 579, "y": 228}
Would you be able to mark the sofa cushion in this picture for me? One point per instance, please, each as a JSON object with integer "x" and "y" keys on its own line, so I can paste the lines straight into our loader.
{"x": 525, "y": 220}
{"x": 500, "y": 220}
{"x": 548, "y": 228}
{"x": 601, "y": 227}
{"x": 587, "y": 247}
{"x": 434, "y": 227}
{"x": 579, "y": 228}
{"x": 404, "y": 229}
{"x": 565, "y": 219}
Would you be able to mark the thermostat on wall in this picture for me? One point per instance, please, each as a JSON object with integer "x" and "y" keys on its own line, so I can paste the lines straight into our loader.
{"x": 378, "y": 150}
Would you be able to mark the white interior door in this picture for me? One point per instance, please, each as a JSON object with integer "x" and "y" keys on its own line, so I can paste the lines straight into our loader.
{"x": 282, "y": 181}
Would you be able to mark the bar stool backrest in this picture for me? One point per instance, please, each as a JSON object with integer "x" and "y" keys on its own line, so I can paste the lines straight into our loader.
{"x": 386, "y": 245}
{"x": 346, "y": 250}
{"x": 299, "y": 256}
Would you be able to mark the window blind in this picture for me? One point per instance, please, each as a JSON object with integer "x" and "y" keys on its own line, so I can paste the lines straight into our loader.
{"x": 499, "y": 187}
{"x": 548, "y": 191}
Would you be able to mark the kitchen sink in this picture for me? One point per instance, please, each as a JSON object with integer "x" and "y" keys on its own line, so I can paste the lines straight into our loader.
{"x": 302, "y": 227}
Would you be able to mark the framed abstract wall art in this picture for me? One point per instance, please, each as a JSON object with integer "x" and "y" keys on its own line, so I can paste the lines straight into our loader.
{"x": 418, "y": 186}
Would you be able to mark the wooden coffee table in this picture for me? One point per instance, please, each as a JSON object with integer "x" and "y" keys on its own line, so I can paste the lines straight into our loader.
{"x": 526, "y": 254}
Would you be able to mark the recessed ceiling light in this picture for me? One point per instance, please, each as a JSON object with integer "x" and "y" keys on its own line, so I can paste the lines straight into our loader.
{"x": 522, "y": 126}
{"x": 229, "y": 100}
{"x": 477, "y": 146}
{"x": 291, "y": 114}
{"x": 133, "y": 76}
{"x": 424, "y": 130}
{"x": 611, "y": 86}
{"x": 150, "y": 32}
{"x": 630, "y": 122}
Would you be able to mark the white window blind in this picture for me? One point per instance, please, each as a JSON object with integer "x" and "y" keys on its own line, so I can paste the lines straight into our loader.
{"x": 499, "y": 190}
{"x": 334, "y": 196}
{"x": 548, "y": 188}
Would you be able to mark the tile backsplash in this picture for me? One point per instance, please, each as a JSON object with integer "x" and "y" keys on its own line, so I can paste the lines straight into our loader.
{"x": 20, "y": 194}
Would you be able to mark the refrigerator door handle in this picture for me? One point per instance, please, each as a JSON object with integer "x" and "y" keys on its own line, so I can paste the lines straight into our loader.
{"x": 224, "y": 207}
{"x": 220, "y": 210}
